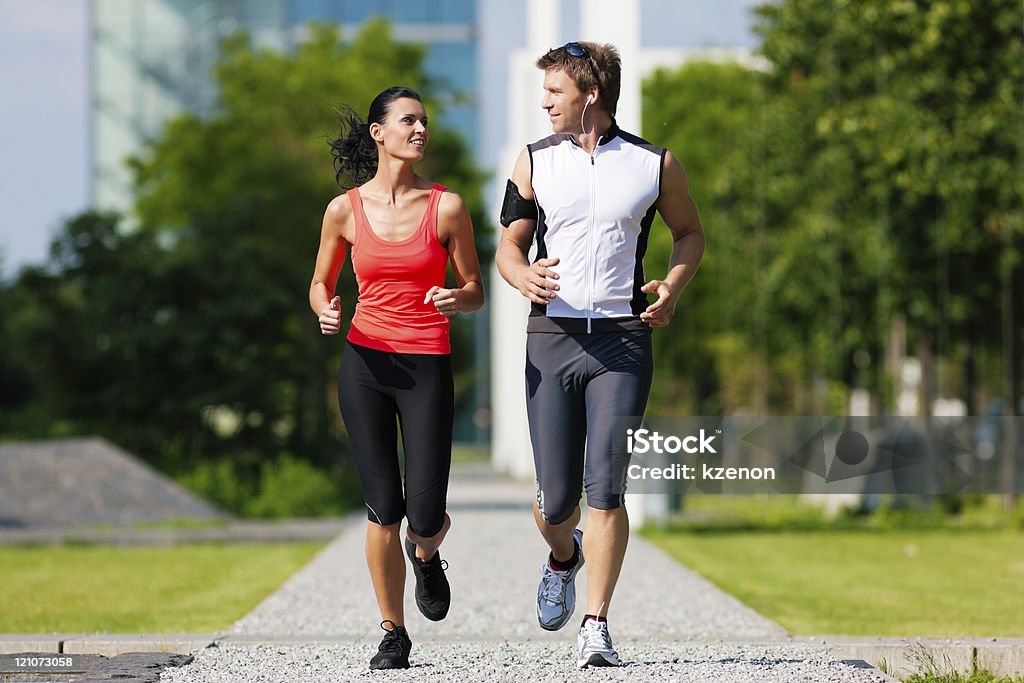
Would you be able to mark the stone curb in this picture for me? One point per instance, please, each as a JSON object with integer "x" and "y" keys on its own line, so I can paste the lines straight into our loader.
{"x": 108, "y": 645}
{"x": 134, "y": 667}
{"x": 285, "y": 531}
{"x": 903, "y": 657}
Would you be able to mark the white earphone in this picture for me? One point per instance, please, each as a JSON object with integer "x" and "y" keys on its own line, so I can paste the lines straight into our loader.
{"x": 590, "y": 98}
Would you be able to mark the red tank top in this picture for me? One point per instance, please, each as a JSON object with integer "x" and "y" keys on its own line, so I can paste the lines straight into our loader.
{"x": 393, "y": 279}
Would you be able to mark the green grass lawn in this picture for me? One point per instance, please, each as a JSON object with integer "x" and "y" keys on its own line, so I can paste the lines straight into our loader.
{"x": 854, "y": 577}
{"x": 199, "y": 588}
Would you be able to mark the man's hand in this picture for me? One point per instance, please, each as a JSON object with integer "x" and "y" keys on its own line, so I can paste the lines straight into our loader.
{"x": 660, "y": 312}
{"x": 535, "y": 281}
{"x": 330, "y": 317}
{"x": 445, "y": 300}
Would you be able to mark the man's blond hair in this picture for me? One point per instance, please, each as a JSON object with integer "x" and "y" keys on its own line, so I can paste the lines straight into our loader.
{"x": 600, "y": 66}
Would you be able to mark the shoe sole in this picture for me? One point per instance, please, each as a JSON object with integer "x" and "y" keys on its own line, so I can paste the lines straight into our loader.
{"x": 555, "y": 627}
{"x": 410, "y": 550}
{"x": 389, "y": 665}
{"x": 595, "y": 660}
{"x": 576, "y": 570}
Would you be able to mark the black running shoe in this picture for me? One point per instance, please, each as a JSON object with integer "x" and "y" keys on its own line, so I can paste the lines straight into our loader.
{"x": 393, "y": 651}
{"x": 433, "y": 594}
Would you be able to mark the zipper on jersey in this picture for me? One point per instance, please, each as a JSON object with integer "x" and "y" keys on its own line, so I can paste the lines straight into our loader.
{"x": 591, "y": 264}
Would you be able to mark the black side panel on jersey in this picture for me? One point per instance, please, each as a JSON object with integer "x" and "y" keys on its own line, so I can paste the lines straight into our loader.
{"x": 542, "y": 252}
{"x": 639, "y": 302}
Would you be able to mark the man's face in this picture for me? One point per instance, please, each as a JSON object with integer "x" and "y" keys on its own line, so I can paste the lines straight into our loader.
{"x": 563, "y": 101}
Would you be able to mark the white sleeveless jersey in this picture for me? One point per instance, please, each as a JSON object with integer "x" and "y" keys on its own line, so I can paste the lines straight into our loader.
{"x": 595, "y": 215}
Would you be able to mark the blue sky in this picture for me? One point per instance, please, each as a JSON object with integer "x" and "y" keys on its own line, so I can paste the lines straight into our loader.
{"x": 43, "y": 123}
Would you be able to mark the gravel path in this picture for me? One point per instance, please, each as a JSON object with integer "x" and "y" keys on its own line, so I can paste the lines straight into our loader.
{"x": 519, "y": 662}
{"x": 668, "y": 621}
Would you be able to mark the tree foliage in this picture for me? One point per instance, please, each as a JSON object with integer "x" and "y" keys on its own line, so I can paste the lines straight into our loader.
{"x": 704, "y": 114}
{"x": 871, "y": 170}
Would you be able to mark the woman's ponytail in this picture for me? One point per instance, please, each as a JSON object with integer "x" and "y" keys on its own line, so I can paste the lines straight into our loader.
{"x": 354, "y": 151}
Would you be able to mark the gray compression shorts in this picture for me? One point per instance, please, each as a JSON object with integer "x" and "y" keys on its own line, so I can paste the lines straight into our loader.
{"x": 577, "y": 385}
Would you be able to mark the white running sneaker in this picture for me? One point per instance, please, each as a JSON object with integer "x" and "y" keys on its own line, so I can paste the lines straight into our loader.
{"x": 596, "y": 645}
{"x": 556, "y": 594}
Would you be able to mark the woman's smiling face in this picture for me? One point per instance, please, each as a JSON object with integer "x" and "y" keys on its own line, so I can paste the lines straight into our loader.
{"x": 404, "y": 133}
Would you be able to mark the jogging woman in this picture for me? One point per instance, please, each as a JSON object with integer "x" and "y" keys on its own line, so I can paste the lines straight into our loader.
{"x": 402, "y": 230}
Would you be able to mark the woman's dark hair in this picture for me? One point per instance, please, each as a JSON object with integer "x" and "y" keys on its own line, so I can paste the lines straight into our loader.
{"x": 354, "y": 151}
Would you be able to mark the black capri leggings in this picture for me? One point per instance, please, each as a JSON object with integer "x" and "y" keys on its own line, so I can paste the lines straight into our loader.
{"x": 376, "y": 387}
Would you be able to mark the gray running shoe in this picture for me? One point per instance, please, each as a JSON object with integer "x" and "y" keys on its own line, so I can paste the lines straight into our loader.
{"x": 556, "y": 594}
{"x": 596, "y": 645}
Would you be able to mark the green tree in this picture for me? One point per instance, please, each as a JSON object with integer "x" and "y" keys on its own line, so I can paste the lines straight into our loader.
{"x": 72, "y": 356}
{"x": 704, "y": 113}
{"x": 870, "y": 171}
{"x": 108, "y": 339}
{"x": 911, "y": 169}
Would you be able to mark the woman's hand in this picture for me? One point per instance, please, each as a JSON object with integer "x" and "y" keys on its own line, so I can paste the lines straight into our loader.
{"x": 445, "y": 300}
{"x": 330, "y": 317}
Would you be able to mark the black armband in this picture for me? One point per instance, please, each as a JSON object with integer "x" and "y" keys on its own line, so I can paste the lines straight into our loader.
{"x": 514, "y": 207}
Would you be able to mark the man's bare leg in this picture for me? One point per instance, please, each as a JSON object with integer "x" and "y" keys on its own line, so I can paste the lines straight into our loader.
{"x": 604, "y": 545}
{"x": 558, "y": 536}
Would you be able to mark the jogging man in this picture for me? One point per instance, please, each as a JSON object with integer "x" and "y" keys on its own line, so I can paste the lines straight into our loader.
{"x": 588, "y": 195}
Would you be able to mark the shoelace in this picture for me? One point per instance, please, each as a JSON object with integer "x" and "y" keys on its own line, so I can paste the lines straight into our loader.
{"x": 596, "y": 633}
{"x": 433, "y": 571}
{"x": 553, "y": 582}
{"x": 392, "y": 642}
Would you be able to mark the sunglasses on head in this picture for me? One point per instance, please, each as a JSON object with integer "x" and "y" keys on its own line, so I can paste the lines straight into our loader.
{"x": 574, "y": 49}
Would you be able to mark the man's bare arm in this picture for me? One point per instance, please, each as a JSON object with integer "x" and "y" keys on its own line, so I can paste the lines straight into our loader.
{"x": 680, "y": 215}
{"x": 534, "y": 281}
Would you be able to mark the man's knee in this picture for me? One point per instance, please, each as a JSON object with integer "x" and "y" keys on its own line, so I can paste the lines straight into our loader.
{"x": 557, "y": 507}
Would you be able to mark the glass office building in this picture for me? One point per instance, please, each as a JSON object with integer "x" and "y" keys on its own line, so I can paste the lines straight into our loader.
{"x": 151, "y": 59}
